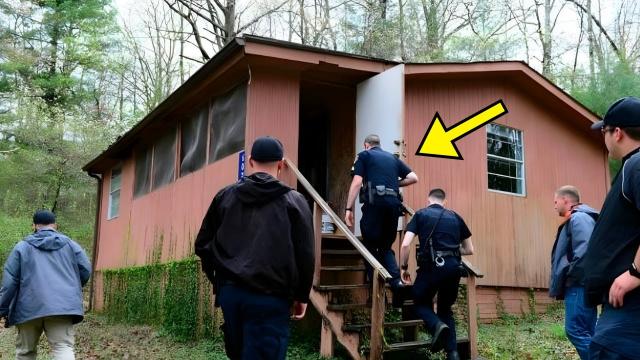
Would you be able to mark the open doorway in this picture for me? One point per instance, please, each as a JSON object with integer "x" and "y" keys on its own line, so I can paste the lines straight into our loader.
{"x": 326, "y": 139}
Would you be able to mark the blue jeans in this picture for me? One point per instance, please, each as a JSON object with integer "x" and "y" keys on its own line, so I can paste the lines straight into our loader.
{"x": 599, "y": 352}
{"x": 256, "y": 326}
{"x": 580, "y": 320}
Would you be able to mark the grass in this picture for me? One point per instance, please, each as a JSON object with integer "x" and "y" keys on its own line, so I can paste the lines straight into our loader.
{"x": 511, "y": 337}
{"x": 97, "y": 338}
{"x": 531, "y": 337}
{"x": 540, "y": 337}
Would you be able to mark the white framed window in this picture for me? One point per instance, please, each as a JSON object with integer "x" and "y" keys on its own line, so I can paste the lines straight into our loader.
{"x": 505, "y": 159}
{"x": 115, "y": 184}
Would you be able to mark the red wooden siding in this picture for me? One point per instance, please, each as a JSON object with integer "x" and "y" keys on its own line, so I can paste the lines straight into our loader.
{"x": 513, "y": 235}
{"x": 162, "y": 224}
{"x": 272, "y": 109}
{"x": 493, "y": 302}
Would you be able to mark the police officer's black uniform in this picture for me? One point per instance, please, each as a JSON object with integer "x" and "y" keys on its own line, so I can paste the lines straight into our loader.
{"x": 380, "y": 171}
{"x": 447, "y": 230}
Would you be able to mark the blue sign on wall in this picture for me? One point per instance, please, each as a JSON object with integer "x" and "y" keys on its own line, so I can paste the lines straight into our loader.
{"x": 240, "y": 164}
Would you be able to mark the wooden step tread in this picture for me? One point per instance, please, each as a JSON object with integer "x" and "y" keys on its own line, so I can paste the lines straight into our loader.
{"x": 408, "y": 345}
{"x": 345, "y": 307}
{"x": 405, "y": 323}
{"x": 343, "y": 268}
{"x": 340, "y": 287}
{"x": 342, "y": 252}
{"x": 415, "y": 345}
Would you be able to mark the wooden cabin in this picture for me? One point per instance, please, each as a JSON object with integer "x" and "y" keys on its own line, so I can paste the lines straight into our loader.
{"x": 157, "y": 180}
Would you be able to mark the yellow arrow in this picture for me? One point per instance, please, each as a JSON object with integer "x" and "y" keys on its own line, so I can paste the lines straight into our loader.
{"x": 438, "y": 141}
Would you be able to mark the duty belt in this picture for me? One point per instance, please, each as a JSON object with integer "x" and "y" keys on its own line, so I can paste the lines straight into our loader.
{"x": 382, "y": 190}
{"x": 390, "y": 192}
{"x": 447, "y": 253}
{"x": 440, "y": 255}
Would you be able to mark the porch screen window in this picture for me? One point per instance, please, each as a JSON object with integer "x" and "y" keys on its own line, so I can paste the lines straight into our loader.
{"x": 142, "y": 182}
{"x": 193, "y": 149}
{"x": 114, "y": 192}
{"x": 505, "y": 159}
{"x": 164, "y": 159}
{"x": 228, "y": 123}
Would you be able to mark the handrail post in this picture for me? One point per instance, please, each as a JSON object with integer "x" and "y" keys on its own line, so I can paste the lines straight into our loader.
{"x": 473, "y": 318}
{"x": 378, "y": 303}
{"x": 317, "y": 233}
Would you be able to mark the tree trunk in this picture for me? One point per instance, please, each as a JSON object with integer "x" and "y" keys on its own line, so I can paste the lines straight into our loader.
{"x": 230, "y": 21}
{"x": 403, "y": 52}
{"x": 546, "y": 41}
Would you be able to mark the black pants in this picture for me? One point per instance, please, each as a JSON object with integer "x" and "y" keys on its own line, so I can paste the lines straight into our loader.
{"x": 444, "y": 281}
{"x": 256, "y": 326}
{"x": 379, "y": 227}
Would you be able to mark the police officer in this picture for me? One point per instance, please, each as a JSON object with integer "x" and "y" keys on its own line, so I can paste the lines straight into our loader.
{"x": 444, "y": 237}
{"x": 379, "y": 175}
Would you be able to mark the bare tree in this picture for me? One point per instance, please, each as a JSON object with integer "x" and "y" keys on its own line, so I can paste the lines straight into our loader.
{"x": 442, "y": 19}
{"x": 593, "y": 20}
{"x": 155, "y": 51}
{"x": 214, "y": 23}
{"x": 546, "y": 23}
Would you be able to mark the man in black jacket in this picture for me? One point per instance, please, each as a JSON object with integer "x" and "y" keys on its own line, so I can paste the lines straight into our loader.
{"x": 612, "y": 259}
{"x": 256, "y": 245}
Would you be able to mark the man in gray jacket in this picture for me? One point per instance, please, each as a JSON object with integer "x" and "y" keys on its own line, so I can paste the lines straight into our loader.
{"x": 566, "y": 282}
{"x": 42, "y": 289}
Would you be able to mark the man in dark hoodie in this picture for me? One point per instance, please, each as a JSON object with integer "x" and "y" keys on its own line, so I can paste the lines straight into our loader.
{"x": 568, "y": 250}
{"x": 42, "y": 289}
{"x": 256, "y": 246}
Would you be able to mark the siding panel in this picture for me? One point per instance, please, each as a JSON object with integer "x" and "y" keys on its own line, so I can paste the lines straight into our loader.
{"x": 513, "y": 235}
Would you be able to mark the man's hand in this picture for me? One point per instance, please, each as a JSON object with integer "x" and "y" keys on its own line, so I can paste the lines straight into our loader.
{"x": 298, "y": 310}
{"x": 620, "y": 287}
{"x": 348, "y": 218}
{"x": 406, "y": 277}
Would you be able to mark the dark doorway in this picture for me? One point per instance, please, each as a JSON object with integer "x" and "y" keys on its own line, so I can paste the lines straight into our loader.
{"x": 313, "y": 143}
{"x": 326, "y": 139}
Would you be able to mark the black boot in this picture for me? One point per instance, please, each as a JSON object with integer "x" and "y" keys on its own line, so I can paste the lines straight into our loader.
{"x": 400, "y": 293}
{"x": 440, "y": 336}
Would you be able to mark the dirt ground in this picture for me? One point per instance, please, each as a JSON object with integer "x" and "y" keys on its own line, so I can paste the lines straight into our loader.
{"x": 97, "y": 339}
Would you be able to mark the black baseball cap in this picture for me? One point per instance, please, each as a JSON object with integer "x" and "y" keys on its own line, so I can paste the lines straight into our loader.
{"x": 623, "y": 113}
{"x": 44, "y": 217}
{"x": 267, "y": 149}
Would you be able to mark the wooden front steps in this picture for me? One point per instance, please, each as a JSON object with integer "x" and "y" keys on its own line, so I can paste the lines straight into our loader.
{"x": 408, "y": 350}
{"x": 347, "y": 301}
{"x": 341, "y": 287}
{"x": 343, "y": 268}
{"x": 352, "y": 310}
{"x": 391, "y": 324}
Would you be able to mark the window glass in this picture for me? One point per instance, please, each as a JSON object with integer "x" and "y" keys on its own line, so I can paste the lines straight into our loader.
{"x": 228, "y": 121}
{"x": 505, "y": 159}
{"x": 142, "y": 182}
{"x": 164, "y": 159}
{"x": 193, "y": 144}
{"x": 114, "y": 192}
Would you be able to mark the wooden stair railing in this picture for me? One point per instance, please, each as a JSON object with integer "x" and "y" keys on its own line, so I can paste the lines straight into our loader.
{"x": 332, "y": 323}
{"x": 473, "y": 273}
